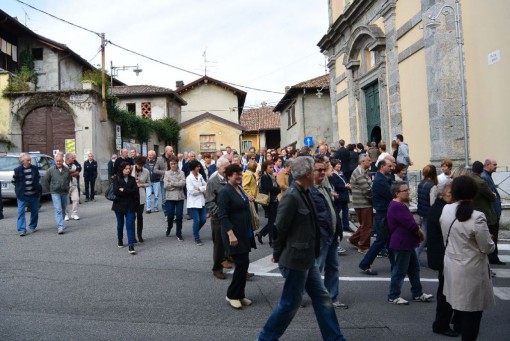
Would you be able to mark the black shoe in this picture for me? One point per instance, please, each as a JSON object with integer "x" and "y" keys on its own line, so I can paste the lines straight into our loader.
{"x": 497, "y": 262}
{"x": 120, "y": 244}
{"x": 87, "y": 199}
{"x": 259, "y": 238}
{"x": 168, "y": 231}
{"x": 448, "y": 332}
{"x": 140, "y": 239}
{"x": 131, "y": 250}
{"x": 135, "y": 241}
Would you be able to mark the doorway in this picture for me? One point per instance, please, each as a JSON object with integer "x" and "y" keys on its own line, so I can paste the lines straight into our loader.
{"x": 373, "y": 112}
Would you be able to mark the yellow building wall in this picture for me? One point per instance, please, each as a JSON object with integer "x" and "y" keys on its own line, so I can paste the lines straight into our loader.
{"x": 406, "y": 9}
{"x": 339, "y": 66}
{"x": 5, "y": 105}
{"x": 344, "y": 131}
{"x": 415, "y": 114}
{"x": 337, "y": 8}
{"x": 486, "y": 30}
{"x": 341, "y": 86}
{"x": 411, "y": 37}
{"x": 380, "y": 23}
{"x": 254, "y": 138}
{"x": 225, "y": 135}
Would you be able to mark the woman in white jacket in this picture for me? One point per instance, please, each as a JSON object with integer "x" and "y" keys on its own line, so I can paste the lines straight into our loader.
{"x": 467, "y": 278}
{"x": 195, "y": 186}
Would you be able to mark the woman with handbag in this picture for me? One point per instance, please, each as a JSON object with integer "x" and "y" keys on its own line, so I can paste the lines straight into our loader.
{"x": 236, "y": 230}
{"x": 405, "y": 235}
{"x": 125, "y": 205}
{"x": 467, "y": 279}
{"x": 269, "y": 186}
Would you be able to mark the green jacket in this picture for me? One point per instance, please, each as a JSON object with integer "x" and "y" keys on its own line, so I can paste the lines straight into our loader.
{"x": 56, "y": 181}
{"x": 483, "y": 200}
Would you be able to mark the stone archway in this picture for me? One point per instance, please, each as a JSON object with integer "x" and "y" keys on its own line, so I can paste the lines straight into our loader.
{"x": 46, "y": 128}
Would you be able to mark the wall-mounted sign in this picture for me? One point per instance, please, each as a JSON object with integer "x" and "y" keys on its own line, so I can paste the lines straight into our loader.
{"x": 494, "y": 57}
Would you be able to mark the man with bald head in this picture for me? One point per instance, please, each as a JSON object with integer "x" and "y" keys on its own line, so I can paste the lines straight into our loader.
{"x": 490, "y": 166}
{"x": 162, "y": 165}
{"x": 154, "y": 186}
{"x": 124, "y": 157}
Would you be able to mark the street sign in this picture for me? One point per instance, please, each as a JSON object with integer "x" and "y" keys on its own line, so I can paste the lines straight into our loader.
{"x": 308, "y": 141}
{"x": 118, "y": 137}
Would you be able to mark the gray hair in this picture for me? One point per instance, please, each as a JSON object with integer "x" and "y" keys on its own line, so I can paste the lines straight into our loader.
{"x": 302, "y": 166}
{"x": 69, "y": 155}
{"x": 443, "y": 186}
{"x": 395, "y": 187}
{"x": 361, "y": 157}
{"x": 222, "y": 161}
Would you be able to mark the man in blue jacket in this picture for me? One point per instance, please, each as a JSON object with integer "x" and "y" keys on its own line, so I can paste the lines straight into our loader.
{"x": 381, "y": 198}
{"x": 28, "y": 188}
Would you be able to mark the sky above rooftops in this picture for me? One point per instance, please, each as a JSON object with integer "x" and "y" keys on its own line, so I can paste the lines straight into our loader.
{"x": 264, "y": 44}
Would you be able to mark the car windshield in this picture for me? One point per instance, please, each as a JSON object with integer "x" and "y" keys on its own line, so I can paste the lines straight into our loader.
{"x": 8, "y": 163}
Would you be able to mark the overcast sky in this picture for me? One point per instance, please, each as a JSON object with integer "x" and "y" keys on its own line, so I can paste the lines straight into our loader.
{"x": 265, "y": 44}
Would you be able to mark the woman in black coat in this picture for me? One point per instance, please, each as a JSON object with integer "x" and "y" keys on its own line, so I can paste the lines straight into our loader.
{"x": 126, "y": 204}
{"x": 269, "y": 186}
{"x": 236, "y": 231}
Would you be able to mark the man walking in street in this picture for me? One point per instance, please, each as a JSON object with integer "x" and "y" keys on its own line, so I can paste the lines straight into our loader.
{"x": 154, "y": 187}
{"x": 123, "y": 157}
{"x": 110, "y": 166}
{"x": 362, "y": 202}
{"x": 215, "y": 184}
{"x": 56, "y": 181}
{"x": 330, "y": 230}
{"x": 28, "y": 189}
{"x": 297, "y": 226}
{"x": 381, "y": 199}
{"x": 90, "y": 175}
{"x": 73, "y": 187}
{"x": 490, "y": 167}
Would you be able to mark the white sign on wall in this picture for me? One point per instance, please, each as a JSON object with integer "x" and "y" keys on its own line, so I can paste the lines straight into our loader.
{"x": 118, "y": 139}
{"x": 494, "y": 57}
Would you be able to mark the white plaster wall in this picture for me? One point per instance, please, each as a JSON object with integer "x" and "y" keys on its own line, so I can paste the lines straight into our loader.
{"x": 47, "y": 70}
{"x": 71, "y": 74}
{"x": 210, "y": 98}
{"x": 158, "y": 105}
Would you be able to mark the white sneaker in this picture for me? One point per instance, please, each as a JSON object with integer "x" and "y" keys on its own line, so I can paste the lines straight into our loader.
{"x": 398, "y": 301}
{"x": 75, "y": 217}
{"x": 236, "y": 304}
{"x": 245, "y": 301}
{"x": 423, "y": 298}
{"x": 66, "y": 218}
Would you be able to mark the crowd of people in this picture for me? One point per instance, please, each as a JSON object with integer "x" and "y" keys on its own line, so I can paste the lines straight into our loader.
{"x": 306, "y": 195}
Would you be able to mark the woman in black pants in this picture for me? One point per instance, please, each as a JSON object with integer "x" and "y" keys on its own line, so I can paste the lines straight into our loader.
{"x": 269, "y": 186}
{"x": 236, "y": 231}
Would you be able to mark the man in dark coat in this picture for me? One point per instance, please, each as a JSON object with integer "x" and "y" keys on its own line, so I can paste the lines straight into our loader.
{"x": 27, "y": 186}
{"x": 343, "y": 155}
{"x": 90, "y": 176}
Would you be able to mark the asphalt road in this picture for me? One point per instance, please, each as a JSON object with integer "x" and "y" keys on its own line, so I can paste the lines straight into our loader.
{"x": 80, "y": 286}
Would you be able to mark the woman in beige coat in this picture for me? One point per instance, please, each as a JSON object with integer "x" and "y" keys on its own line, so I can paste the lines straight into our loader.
{"x": 467, "y": 279}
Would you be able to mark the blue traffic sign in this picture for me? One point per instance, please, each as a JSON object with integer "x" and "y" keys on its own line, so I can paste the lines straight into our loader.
{"x": 308, "y": 141}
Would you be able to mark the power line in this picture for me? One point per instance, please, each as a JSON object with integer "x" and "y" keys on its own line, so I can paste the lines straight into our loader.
{"x": 143, "y": 55}
{"x": 55, "y": 17}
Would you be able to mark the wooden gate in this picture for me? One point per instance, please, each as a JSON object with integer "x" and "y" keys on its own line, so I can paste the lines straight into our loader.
{"x": 373, "y": 112}
{"x": 46, "y": 129}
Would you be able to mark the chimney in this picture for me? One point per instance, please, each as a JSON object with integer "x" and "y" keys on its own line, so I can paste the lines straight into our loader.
{"x": 179, "y": 84}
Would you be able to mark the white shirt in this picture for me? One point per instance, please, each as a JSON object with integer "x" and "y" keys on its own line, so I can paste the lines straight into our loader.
{"x": 443, "y": 178}
{"x": 196, "y": 199}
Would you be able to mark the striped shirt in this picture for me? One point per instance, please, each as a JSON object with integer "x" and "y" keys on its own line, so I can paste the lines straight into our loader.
{"x": 29, "y": 181}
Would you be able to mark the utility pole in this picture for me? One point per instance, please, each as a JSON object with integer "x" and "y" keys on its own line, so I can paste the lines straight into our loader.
{"x": 103, "y": 79}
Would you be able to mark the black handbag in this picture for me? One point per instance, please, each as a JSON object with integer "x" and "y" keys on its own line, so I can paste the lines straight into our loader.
{"x": 109, "y": 194}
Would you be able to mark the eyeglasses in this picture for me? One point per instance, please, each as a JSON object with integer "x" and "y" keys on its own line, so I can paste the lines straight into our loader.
{"x": 320, "y": 170}
{"x": 252, "y": 158}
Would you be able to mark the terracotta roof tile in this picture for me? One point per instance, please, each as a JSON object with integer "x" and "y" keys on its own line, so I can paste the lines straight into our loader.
{"x": 262, "y": 118}
{"x": 145, "y": 90}
{"x": 318, "y": 82}
{"x": 321, "y": 82}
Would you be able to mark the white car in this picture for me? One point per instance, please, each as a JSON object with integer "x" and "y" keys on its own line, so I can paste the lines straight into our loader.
{"x": 8, "y": 162}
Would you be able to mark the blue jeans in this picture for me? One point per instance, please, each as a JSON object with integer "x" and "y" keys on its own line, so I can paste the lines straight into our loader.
{"x": 296, "y": 282}
{"x": 33, "y": 200}
{"x": 342, "y": 208}
{"x": 175, "y": 208}
{"x": 423, "y": 244}
{"x": 60, "y": 205}
{"x": 405, "y": 262}
{"x": 152, "y": 189}
{"x": 163, "y": 200}
{"x": 328, "y": 262}
{"x": 378, "y": 245}
{"x": 199, "y": 219}
{"x": 130, "y": 226}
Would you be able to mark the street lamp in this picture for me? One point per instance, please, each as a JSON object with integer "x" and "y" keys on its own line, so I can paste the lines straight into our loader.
{"x": 114, "y": 71}
{"x": 433, "y": 24}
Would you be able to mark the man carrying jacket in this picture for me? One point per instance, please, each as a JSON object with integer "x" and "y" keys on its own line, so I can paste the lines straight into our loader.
{"x": 28, "y": 189}
{"x": 296, "y": 250}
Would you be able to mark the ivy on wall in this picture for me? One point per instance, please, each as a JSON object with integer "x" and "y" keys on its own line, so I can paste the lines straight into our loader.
{"x": 134, "y": 126}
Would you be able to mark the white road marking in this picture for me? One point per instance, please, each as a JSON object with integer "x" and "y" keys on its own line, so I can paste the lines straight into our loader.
{"x": 504, "y": 258}
{"x": 502, "y": 293}
{"x": 504, "y": 247}
{"x": 346, "y": 279}
{"x": 263, "y": 265}
{"x": 502, "y": 273}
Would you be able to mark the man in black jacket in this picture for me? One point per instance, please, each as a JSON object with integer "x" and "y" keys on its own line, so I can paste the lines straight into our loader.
{"x": 343, "y": 155}
{"x": 90, "y": 175}
{"x": 27, "y": 186}
{"x": 296, "y": 250}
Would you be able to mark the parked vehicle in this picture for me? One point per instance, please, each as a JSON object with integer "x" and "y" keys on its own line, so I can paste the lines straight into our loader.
{"x": 10, "y": 161}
